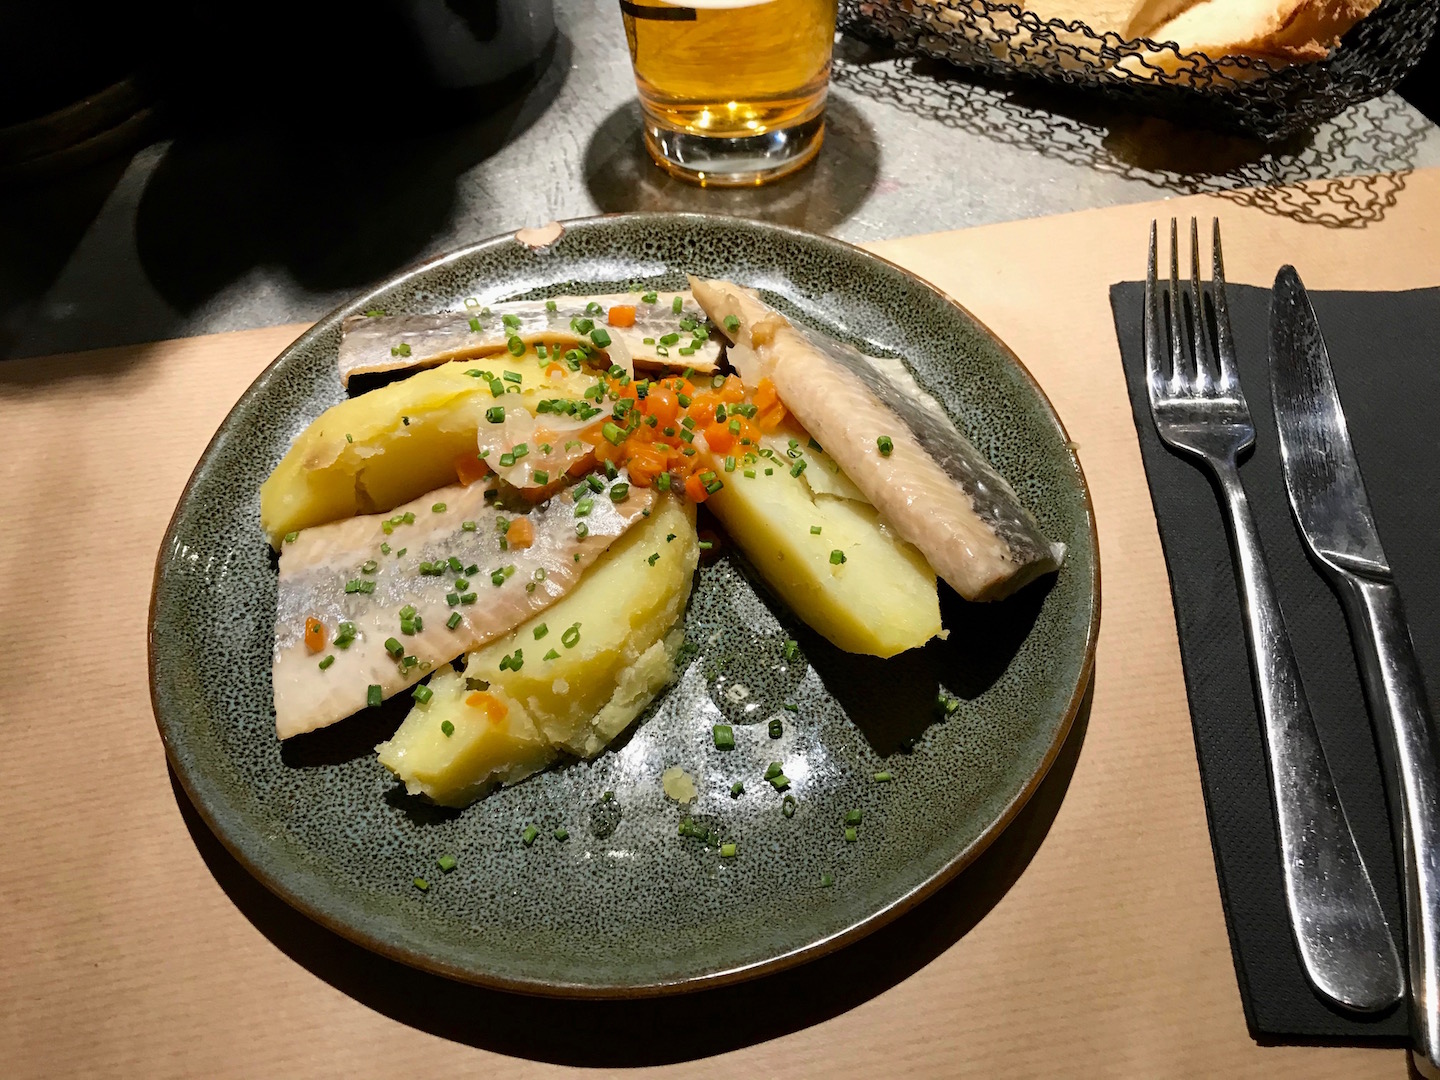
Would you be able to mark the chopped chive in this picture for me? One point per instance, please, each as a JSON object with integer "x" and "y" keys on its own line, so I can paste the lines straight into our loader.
{"x": 366, "y": 588}
{"x": 797, "y": 468}
{"x": 790, "y": 650}
{"x": 826, "y": 880}
{"x": 571, "y": 637}
{"x": 790, "y": 706}
{"x": 384, "y": 549}
{"x": 837, "y": 557}
{"x": 420, "y": 882}
{"x": 787, "y": 808}
{"x": 734, "y": 427}
{"x": 706, "y": 545}
{"x": 453, "y": 599}
{"x": 669, "y": 339}
{"x": 446, "y": 862}
{"x": 497, "y": 388}
{"x": 776, "y": 728}
{"x": 393, "y": 647}
{"x": 780, "y": 783}
{"x": 613, "y": 435}
{"x": 773, "y": 770}
{"x": 528, "y": 836}
{"x": 495, "y": 414}
{"x": 474, "y": 326}
{"x": 291, "y": 537}
{"x": 883, "y": 777}
{"x": 769, "y": 472}
{"x": 676, "y": 305}
{"x": 374, "y": 312}
{"x": 724, "y": 736}
{"x": 562, "y": 834}
{"x": 422, "y": 694}
{"x": 468, "y": 526}
{"x": 853, "y": 817}
{"x": 327, "y": 661}
{"x": 600, "y": 336}
{"x": 400, "y": 350}
{"x": 654, "y": 558}
{"x": 729, "y": 463}
{"x": 437, "y": 508}
{"x": 727, "y": 851}
{"x": 582, "y": 530}
{"x": 662, "y": 482}
{"x": 552, "y": 655}
{"x": 750, "y": 474}
{"x": 467, "y": 598}
{"x": 454, "y": 619}
{"x": 596, "y": 484}
{"x": 550, "y": 305}
{"x": 731, "y": 324}
{"x": 618, "y": 492}
{"x": 541, "y": 476}
{"x": 387, "y": 527}
{"x": 541, "y": 631}
{"x": 885, "y": 444}
{"x": 851, "y": 835}
{"x": 511, "y": 321}
{"x": 515, "y": 345}
{"x": 737, "y": 789}
{"x": 374, "y": 695}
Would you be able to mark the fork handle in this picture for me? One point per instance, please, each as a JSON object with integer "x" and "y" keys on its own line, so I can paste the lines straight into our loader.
{"x": 1409, "y": 744}
{"x": 1345, "y": 945}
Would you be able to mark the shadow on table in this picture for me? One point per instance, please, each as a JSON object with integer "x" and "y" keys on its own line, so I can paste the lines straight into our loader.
{"x": 613, "y": 1034}
{"x": 1378, "y": 136}
{"x": 337, "y": 205}
{"x": 621, "y": 176}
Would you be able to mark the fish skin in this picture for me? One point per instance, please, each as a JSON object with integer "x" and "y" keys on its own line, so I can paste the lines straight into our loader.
{"x": 366, "y": 341}
{"x": 935, "y": 489}
{"x": 563, "y": 464}
{"x": 316, "y": 565}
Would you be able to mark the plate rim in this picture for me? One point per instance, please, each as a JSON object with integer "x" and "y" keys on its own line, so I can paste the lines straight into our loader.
{"x": 692, "y": 983}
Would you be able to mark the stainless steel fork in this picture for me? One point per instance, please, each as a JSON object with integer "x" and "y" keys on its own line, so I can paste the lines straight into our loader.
{"x": 1199, "y": 409}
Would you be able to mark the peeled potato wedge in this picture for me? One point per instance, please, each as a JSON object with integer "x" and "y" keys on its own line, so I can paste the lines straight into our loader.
{"x": 626, "y": 610}
{"x": 880, "y": 601}
{"x": 373, "y": 452}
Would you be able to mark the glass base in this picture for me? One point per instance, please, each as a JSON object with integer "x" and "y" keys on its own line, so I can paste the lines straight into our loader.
{"x": 741, "y": 162}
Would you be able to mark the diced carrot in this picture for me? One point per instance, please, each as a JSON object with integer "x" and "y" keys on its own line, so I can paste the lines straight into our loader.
{"x": 621, "y": 315}
{"x": 765, "y": 395}
{"x": 646, "y": 462}
{"x": 719, "y": 437}
{"x": 733, "y": 390}
{"x": 660, "y": 403}
{"x": 314, "y": 634}
{"x": 695, "y": 489}
{"x": 496, "y": 709}
{"x": 469, "y": 468}
{"x": 521, "y": 533}
{"x": 769, "y": 419}
{"x": 552, "y": 370}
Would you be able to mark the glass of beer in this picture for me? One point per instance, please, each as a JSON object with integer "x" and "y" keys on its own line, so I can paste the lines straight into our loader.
{"x": 733, "y": 91}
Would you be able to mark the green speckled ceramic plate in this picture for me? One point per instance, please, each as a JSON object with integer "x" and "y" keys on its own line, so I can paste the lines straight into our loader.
{"x": 626, "y": 906}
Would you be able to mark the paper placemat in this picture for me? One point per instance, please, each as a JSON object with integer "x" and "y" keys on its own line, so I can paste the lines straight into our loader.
{"x": 134, "y": 949}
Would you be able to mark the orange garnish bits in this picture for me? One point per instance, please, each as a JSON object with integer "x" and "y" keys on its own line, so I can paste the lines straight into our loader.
{"x": 521, "y": 533}
{"x": 648, "y": 452}
{"x": 469, "y": 468}
{"x": 496, "y": 709}
{"x": 314, "y": 634}
{"x": 621, "y": 315}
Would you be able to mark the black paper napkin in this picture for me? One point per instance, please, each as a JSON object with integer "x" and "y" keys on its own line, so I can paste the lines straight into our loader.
{"x": 1385, "y": 349}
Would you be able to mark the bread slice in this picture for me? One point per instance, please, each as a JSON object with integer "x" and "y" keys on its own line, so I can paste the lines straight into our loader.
{"x": 1280, "y": 32}
{"x": 1128, "y": 18}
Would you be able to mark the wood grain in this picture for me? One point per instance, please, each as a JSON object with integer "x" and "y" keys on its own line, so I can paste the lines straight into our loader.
{"x": 134, "y": 946}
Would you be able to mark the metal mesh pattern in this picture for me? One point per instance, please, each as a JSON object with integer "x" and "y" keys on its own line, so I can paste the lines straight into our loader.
{"x": 1235, "y": 93}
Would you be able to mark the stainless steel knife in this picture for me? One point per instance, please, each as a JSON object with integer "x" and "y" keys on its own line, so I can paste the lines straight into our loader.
{"x": 1332, "y": 510}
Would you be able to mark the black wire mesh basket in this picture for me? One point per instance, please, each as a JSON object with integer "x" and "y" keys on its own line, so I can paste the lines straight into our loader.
{"x": 1241, "y": 93}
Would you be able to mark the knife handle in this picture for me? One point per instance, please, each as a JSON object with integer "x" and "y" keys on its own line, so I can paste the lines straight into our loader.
{"x": 1411, "y": 750}
{"x": 1344, "y": 943}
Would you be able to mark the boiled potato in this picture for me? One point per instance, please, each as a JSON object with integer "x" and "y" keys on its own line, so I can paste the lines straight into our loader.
{"x": 615, "y": 638}
{"x": 881, "y": 600}
{"x": 375, "y": 451}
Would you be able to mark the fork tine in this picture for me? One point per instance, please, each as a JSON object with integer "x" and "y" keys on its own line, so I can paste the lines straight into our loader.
{"x": 1224, "y": 339}
{"x": 1153, "y": 349}
{"x": 1179, "y": 370}
{"x": 1199, "y": 337}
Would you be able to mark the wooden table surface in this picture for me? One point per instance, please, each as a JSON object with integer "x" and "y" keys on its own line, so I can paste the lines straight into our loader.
{"x": 1088, "y": 941}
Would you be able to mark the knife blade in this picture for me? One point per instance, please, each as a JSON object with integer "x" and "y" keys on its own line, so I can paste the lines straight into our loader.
{"x": 1332, "y": 509}
{"x": 1322, "y": 476}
